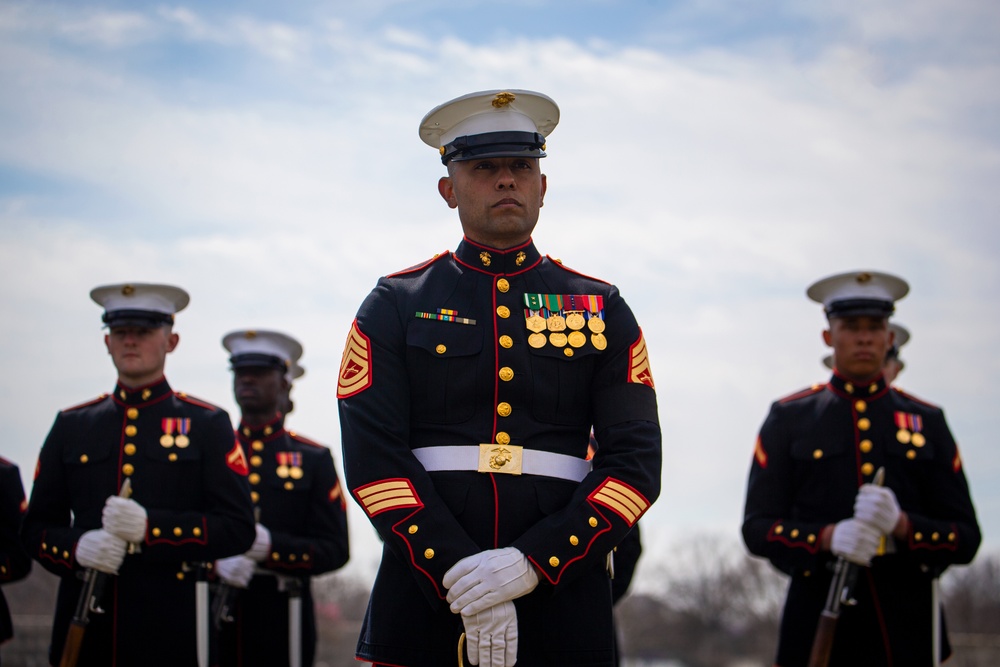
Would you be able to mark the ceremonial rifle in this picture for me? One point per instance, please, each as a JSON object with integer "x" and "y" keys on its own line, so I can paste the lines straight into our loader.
{"x": 844, "y": 575}
{"x": 88, "y": 603}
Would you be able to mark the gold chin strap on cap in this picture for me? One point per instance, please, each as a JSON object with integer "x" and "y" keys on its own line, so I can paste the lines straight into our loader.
{"x": 461, "y": 650}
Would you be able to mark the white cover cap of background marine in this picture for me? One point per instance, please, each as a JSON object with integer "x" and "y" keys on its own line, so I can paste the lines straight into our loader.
{"x": 491, "y": 123}
{"x": 147, "y": 305}
{"x": 858, "y": 293}
{"x": 257, "y": 347}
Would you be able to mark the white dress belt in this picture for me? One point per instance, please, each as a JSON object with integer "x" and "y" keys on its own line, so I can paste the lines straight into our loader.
{"x": 514, "y": 460}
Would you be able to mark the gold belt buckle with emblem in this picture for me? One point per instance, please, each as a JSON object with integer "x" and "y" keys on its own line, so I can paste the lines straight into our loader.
{"x": 506, "y": 459}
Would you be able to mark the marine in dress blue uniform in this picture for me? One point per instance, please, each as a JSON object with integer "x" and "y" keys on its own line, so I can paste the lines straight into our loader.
{"x": 468, "y": 388}
{"x": 303, "y": 520}
{"x": 811, "y": 481}
{"x": 190, "y": 500}
{"x": 15, "y": 563}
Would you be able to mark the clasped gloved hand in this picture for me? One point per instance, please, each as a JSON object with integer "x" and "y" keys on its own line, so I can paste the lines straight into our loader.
{"x": 488, "y": 578}
{"x": 855, "y": 540}
{"x": 491, "y": 636}
{"x": 877, "y": 506}
{"x": 124, "y": 518}
{"x": 235, "y": 570}
{"x": 100, "y": 550}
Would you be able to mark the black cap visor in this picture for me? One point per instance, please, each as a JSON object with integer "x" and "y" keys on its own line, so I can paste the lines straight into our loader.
{"x": 494, "y": 144}
{"x": 147, "y": 319}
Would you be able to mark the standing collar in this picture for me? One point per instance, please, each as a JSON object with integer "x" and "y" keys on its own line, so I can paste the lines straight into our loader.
{"x": 271, "y": 429}
{"x": 848, "y": 388}
{"x": 507, "y": 262}
{"x": 139, "y": 395}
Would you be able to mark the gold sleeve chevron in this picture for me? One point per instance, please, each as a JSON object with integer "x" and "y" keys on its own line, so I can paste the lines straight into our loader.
{"x": 621, "y": 499}
{"x": 356, "y": 364}
{"x": 388, "y": 494}
{"x": 639, "y": 370}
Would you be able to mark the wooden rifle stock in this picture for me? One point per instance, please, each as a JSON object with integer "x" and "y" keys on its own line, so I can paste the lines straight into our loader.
{"x": 93, "y": 587}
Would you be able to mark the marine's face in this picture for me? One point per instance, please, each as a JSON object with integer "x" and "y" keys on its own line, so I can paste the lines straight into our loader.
{"x": 498, "y": 199}
{"x": 258, "y": 389}
{"x": 859, "y": 344}
{"x": 140, "y": 353}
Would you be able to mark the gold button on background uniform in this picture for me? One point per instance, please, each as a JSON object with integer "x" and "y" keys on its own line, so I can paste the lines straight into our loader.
{"x": 156, "y": 532}
{"x": 779, "y": 530}
{"x": 860, "y": 406}
{"x": 255, "y": 461}
{"x": 503, "y": 312}
{"x": 574, "y": 540}
{"x": 412, "y": 530}
{"x": 254, "y": 496}
{"x": 197, "y": 532}
{"x": 865, "y": 446}
{"x": 867, "y": 469}
{"x": 131, "y": 430}
{"x": 864, "y": 424}
{"x": 128, "y": 469}
{"x": 130, "y": 449}
{"x": 795, "y": 532}
{"x": 178, "y": 532}
{"x": 818, "y": 454}
{"x": 258, "y": 445}
{"x": 593, "y": 522}
{"x": 84, "y": 458}
{"x": 440, "y": 349}
{"x": 254, "y": 478}
{"x": 132, "y": 413}
{"x": 554, "y": 562}
{"x": 172, "y": 456}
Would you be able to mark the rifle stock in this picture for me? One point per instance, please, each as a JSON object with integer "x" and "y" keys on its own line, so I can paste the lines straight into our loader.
{"x": 823, "y": 642}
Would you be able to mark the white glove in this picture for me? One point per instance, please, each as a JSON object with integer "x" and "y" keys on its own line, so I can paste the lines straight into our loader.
{"x": 261, "y": 545}
{"x": 855, "y": 540}
{"x": 124, "y": 518}
{"x": 235, "y": 570}
{"x": 101, "y": 551}
{"x": 491, "y": 636}
{"x": 877, "y": 506}
{"x": 488, "y": 578}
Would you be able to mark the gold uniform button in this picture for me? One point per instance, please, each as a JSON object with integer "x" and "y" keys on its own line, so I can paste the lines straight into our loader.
{"x": 196, "y": 532}
{"x": 255, "y": 461}
{"x": 864, "y": 424}
{"x": 412, "y": 530}
{"x": 503, "y": 285}
{"x": 305, "y": 557}
{"x": 275, "y": 556}
{"x": 867, "y": 468}
{"x": 574, "y": 540}
{"x": 912, "y": 454}
{"x": 918, "y": 536}
{"x": 55, "y": 550}
{"x": 593, "y": 522}
{"x": 506, "y": 341}
{"x": 178, "y": 532}
{"x": 291, "y": 558}
{"x": 128, "y": 468}
{"x": 268, "y": 430}
{"x": 66, "y": 554}
{"x": 146, "y": 393}
{"x": 428, "y": 554}
{"x": 254, "y": 478}
{"x": 258, "y": 445}
{"x": 810, "y": 539}
{"x": 849, "y": 388}
{"x": 568, "y": 351}
{"x": 289, "y": 486}
{"x": 132, "y": 413}
{"x": 860, "y": 406}
{"x": 84, "y": 458}
{"x": 935, "y": 537}
{"x": 554, "y": 562}
{"x": 180, "y": 576}
{"x": 155, "y": 532}
{"x": 795, "y": 532}
{"x": 865, "y": 446}
{"x": 254, "y": 496}
{"x": 951, "y": 537}
{"x": 440, "y": 349}
{"x": 778, "y": 530}
{"x": 503, "y": 312}
{"x": 817, "y": 453}
{"x": 506, "y": 374}
{"x": 503, "y": 438}
{"x": 172, "y": 456}
{"x": 246, "y": 431}
{"x": 131, "y": 430}
{"x": 504, "y": 409}
{"x": 130, "y": 449}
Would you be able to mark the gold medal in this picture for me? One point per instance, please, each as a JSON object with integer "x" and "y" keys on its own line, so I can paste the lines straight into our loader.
{"x": 282, "y": 471}
{"x": 596, "y": 325}
{"x": 903, "y": 436}
{"x": 577, "y": 339}
{"x": 575, "y": 321}
{"x": 167, "y": 440}
{"x": 295, "y": 472}
{"x": 536, "y": 340}
{"x": 599, "y": 341}
{"x": 557, "y": 339}
{"x": 535, "y": 323}
{"x": 918, "y": 440}
{"x": 556, "y": 323}
{"x": 182, "y": 441}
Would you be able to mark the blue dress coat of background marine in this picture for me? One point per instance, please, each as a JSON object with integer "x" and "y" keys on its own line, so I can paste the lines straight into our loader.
{"x": 456, "y": 352}
{"x": 814, "y": 451}
{"x": 14, "y": 560}
{"x": 189, "y": 474}
{"x": 294, "y": 484}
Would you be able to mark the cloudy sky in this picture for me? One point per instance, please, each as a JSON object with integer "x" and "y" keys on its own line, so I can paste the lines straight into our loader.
{"x": 713, "y": 159}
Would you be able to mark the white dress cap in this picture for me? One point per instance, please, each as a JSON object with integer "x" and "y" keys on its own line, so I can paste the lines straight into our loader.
{"x": 858, "y": 293}
{"x": 140, "y": 304}
{"x": 257, "y": 347}
{"x": 491, "y": 123}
